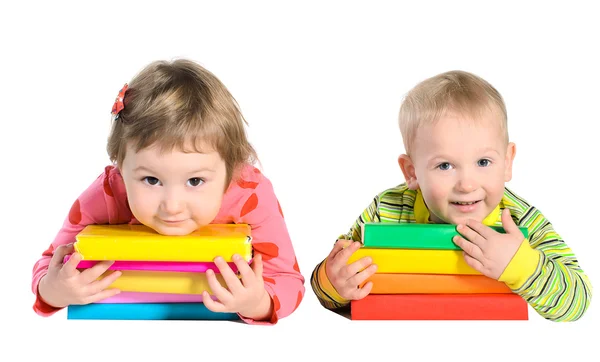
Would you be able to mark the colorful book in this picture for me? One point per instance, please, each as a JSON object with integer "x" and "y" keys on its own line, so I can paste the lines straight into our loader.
{"x": 145, "y": 297}
{"x": 147, "y": 311}
{"x": 175, "y": 266}
{"x": 416, "y": 261}
{"x": 414, "y": 236}
{"x": 163, "y": 282}
{"x": 139, "y": 242}
{"x": 439, "y": 307}
{"x": 435, "y": 284}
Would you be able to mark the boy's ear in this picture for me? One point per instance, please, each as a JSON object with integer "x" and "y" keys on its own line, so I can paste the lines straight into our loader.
{"x": 408, "y": 169}
{"x": 511, "y": 151}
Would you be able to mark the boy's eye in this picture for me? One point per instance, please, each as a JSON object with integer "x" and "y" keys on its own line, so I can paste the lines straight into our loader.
{"x": 195, "y": 181}
{"x": 483, "y": 162}
{"x": 444, "y": 166}
{"x": 151, "y": 180}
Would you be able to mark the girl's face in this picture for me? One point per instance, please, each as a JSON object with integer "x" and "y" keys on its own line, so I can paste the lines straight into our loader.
{"x": 174, "y": 192}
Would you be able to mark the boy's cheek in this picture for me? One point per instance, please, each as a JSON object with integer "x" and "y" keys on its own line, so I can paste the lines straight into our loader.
{"x": 434, "y": 193}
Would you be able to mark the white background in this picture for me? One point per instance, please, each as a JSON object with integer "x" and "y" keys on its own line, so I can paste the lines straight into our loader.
{"x": 320, "y": 84}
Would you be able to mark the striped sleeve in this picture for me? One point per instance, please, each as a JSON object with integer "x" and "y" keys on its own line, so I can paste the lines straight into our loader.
{"x": 322, "y": 287}
{"x": 558, "y": 290}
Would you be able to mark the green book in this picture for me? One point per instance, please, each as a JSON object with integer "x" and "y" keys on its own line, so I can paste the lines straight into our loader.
{"x": 414, "y": 236}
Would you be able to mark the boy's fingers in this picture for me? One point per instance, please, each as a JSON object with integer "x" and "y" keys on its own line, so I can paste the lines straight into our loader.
{"x": 343, "y": 256}
{"x": 469, "y": 233}
{"x": 357, "y": 266}
{"x": 483, "y": 232}
{"x": 337, "y": 247}
{"x": 359, "y": 278}
{"x": 360, "y": 293}
{"x": 473, "y": 263}
{"x": 509, "y": 224}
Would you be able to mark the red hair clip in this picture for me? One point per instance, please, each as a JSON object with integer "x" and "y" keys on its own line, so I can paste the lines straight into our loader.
{"x": 119, "y": 105}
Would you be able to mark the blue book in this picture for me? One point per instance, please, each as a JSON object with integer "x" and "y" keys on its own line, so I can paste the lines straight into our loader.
{"x": 146, "y": 311}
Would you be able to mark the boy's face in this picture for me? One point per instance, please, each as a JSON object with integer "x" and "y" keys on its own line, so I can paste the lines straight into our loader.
{"x": 461, "y": 166}
{"x": 174, "y": 192}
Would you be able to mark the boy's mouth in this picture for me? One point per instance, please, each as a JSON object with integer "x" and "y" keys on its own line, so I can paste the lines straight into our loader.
{"x": 464, "y": 202}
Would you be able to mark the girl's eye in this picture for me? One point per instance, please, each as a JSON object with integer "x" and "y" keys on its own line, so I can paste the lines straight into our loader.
{"x": 444, "y": 166}
{"x": 195, "y": 181}
{"x": 152, "y": 181}
{"x": 483, "y": 162}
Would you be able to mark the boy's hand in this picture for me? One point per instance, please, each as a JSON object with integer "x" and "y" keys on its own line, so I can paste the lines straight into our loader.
{"x": 64, "y": 284}
{"x": 487, "y": 250}
{"x": 345, "y": 278}
{"x": 247, "y": 297}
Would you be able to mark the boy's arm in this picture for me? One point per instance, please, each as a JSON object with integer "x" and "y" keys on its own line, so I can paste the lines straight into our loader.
{"x": 558, "y": 289}
{"x": 322, "y": 287}
{"x": 96, "y": 205}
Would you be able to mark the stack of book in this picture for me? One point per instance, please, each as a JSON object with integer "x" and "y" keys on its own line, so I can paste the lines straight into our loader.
{"x": 422, "y": 275}
{"x": 163, "y": 277}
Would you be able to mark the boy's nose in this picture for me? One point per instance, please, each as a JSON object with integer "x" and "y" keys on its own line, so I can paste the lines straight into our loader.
{"x": 466, "y": 183}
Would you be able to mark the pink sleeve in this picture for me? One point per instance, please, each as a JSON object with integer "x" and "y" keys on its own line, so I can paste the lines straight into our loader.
{"x": 283, "y": 281}
{"x": 96, "y": 205}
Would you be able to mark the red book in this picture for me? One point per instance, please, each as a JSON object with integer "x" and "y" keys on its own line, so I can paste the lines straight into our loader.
{"x": 439, "y": 307}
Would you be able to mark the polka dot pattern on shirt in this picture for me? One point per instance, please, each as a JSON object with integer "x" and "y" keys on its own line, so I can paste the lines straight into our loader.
{"x": 75, "y": 213}
{"x": 268, "y": 250}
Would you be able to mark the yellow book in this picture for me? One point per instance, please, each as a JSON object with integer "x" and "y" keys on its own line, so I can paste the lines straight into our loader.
{"x": 139, "y": 242}
{"x": 163, "y": 282}
{"x": 417, "y": 261}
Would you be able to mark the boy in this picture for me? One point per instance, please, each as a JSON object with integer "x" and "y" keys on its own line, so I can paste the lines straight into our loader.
{"x": 458, "y": 157}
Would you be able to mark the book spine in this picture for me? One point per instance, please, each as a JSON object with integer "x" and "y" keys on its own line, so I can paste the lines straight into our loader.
{"x": 143, "y": 297}
{"x": 174, "y": 266}
{"x": 439, "y": 307}
{"x": 435, "y": 284}
{"x": 160, "y": 251}
{"x": 163, "y": 282}
{"x": 417, "y": 261}
{"x": 147, "y": 311}
{"x": 414, "y": 236}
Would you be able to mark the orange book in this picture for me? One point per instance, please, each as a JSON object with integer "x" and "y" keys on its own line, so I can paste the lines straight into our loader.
{"x": 439, "y": 307}
{"x": 435, "y": 284}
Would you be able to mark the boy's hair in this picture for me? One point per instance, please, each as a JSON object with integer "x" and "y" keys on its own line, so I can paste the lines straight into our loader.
{"x": 177, "y": 104}
{"x": 457, "y": 91}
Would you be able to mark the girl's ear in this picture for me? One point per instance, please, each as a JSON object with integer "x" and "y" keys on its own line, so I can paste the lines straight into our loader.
{"x": 408, "y": 169}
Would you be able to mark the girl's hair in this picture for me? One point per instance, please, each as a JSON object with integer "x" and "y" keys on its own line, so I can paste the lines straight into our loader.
{"x": 457, "y": 91}
{"x": 179, "y": 104}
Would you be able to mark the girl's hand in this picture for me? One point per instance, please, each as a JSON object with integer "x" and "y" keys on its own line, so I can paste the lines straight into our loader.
{"x": 64, "y": 284}
{"x": 246, "y": 297}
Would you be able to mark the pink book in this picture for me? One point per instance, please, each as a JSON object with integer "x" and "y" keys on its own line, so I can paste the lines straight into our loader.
{"x": 173, "y": 266}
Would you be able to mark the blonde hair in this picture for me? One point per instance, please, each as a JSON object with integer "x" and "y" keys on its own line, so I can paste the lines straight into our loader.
{"x": 173, "y": 104}
{"x": 457, "y": 91}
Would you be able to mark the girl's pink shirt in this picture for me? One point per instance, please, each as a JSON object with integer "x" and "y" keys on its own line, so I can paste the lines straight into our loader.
{"x": 249, "y": 200}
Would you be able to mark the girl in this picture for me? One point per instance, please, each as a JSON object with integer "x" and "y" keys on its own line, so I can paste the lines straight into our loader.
{"x": 181, "y": 160}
